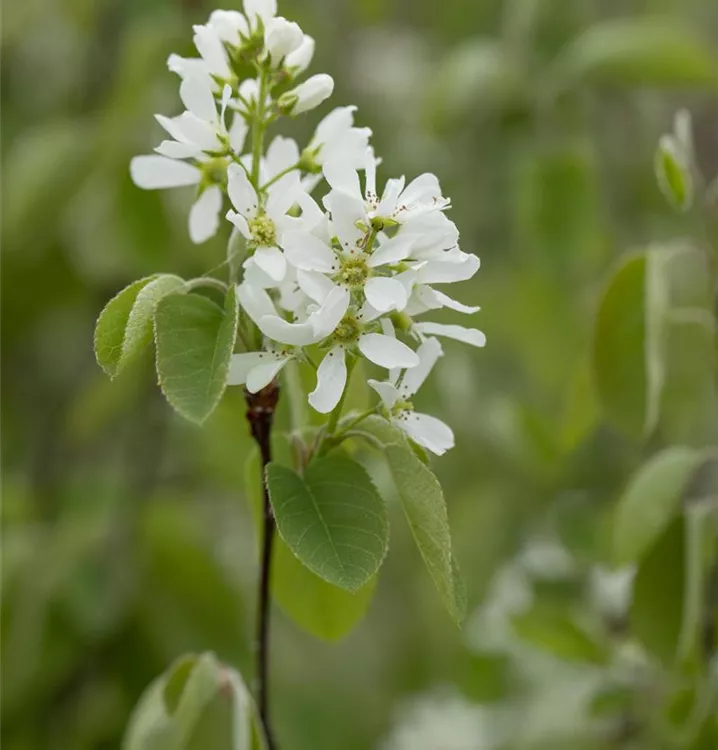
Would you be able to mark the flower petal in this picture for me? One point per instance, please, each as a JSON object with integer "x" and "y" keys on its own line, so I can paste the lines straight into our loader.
{"x": 342, "y": 177}
{"x": 384, "y": 294}
{"x": 386, "y": 351}
{"x": 238, "y": 133}
{"x": 427, "y": 431}
{"x": 158, "y": 172}
{"x": 272, "y": 261}
{"x": 281, "y": 154}
{"x": 387, "y": 392}
{"x": 315, "y": 285}
{"x": 262, "y": 375}
{"x": 428, "y": 353}
{"x": 240, "y": 222}
{"x": 328, "y": 316}
{"x": 255, "y": 302}
{"x": 392, "y": 251}
{"x": 346, "y": 212}
{"x": 204, "y": 215}
{"x": 467, "y": 335}
{"x": 178, "y": 150}
{"x": 278, "y": 329}
{"x": 308, "y": 253}
{"x": 331, "y": 381}
{"x": 283, "y": 195}
{"x": 197, "y": 97}
{"x": 392, "y": 190}
{"x": 200, "y": 132}
{"x": 241, "y": 192}
{"x": 449, "y": 271}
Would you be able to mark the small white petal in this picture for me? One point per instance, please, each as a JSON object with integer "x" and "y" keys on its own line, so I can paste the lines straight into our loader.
{"x": 309, "y": 94}
{"x": 299, "y": 59}
{"x": 255, "y": 302}
{"x": 392, "y": 251}
{"x": 346, "y": 212}
{"x": 158, "y": 172}
{"x": 177, "y": 150}
{"x": 447, "y": 272}
{"x": 328, "y": 316}
{"x": 467, "y": 335}
{"x": 315, "y": 285}
{"x": 428, "y": 353}
{"x": 186, "y": 66}
{"x": 331, "y": 381}
{"x": 386, "y": 351}
{"x": 240, "y": 366}
{"x": 384, "y": 294}
{"x": 238, "y": 133}
{"x": 392, "y": 190}
{"x": 210, "y": 47}
{"x": 200, "y": 132}
{"x": 204, "y": 215}
{"x": 281, "y": 154}
{"x": 240, "y": 222}
{"x": 197, "y": 97}
{"x": 264, "y": 9}
{"x": 173, "y": 126}
{"x": 283, "y": 195}
{"x": 308, "y": 253}
{"x": 343, "y": 177}
{"x": 387, "y": 392}
{"x": 278, "y": 329}
{"x": 262, "y": 375}
{"x": 427, "y": 431}
{"x": 272, "y": 261}
{"x": 241, "y": 192}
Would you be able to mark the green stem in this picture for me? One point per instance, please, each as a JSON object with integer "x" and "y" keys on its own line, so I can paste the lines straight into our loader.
{"x": 258, "y": 127}
{"x": 279, "y": 176}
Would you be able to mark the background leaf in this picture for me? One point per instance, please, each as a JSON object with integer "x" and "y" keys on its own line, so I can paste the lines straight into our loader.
{"x": 651, "y": 501}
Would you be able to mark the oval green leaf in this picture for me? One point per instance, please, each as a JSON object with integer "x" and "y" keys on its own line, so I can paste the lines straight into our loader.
{"x": 323, "y": 610}
{"x": 651, "y": 501}
{"x": 195, "y": 339}
{"x": 673, "y": 174}
{"x": 332, "y": 519}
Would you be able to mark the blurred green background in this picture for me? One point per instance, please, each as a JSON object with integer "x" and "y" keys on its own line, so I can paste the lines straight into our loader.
{"x": 126, "y": 536}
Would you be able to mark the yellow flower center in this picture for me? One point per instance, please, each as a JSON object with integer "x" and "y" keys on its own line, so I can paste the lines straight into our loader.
{"x": 263, "y": 231}
{"x": 354, "y": 272}
{"x": 348, "y": 330}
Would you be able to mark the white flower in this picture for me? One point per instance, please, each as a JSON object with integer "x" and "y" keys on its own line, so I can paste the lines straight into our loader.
{"x": 230, "y": 25}
{"x": 399, "y": 204}
{"x": 308, "y": 95}
{"x": 263, "y": 225}
{"x": 336, "y": 138}
{"x": 385, "y": 351}
{"x": 198, "y": 134}
{"x": 352, "y": 266}
{"x": 281, "y": 38}
{"x": 427, "y": 431}
{"x": 209, "y": 45}
{"x": 459, "y": 333}
{"x": 259, "y": 11}
{"x": 298, "y": 61}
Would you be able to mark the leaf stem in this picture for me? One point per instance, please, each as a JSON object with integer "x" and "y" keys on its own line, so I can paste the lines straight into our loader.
{"x": 260, "y": 414}
{"x": 279, "y": 176}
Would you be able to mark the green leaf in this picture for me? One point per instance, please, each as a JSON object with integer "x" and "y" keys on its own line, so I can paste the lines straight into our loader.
{"x": 557, "y": 633}
{"x": 195, "y": 339}
{"x": 638, "y": 52}
{"x": 198, "y": 703}
{"x": 619, "y": 363}
{"x": 112, "y": 323}
{"x": 673, "y": 173}
{"x": 316, "y": 606}
{"x": 656, "y": 616}
{"x": 124, "y": 327}
{"x": 651, "y": 501}
{"x": 423, "y": 502}
{"x": 332, "y": 519}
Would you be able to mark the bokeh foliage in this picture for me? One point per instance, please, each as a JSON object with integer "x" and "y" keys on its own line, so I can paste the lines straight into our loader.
{"x": 127, "y": 539}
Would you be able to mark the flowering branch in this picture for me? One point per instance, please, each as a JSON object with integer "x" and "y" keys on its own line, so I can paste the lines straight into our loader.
{"x": 314, "y": 287}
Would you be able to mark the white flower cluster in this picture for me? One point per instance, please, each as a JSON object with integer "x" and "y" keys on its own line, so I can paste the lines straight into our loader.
{"x": 349, "y": 275}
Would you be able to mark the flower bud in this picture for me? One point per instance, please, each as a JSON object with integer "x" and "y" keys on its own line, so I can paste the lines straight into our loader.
{"x": 307, "y": 95}
{"x": 673, "y": 173}
{"x": 281, "y": 38}
{"x": 299, "y": 60}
